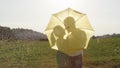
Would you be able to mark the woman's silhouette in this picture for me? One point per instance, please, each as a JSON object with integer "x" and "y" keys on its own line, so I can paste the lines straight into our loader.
{"x": 58, "y": 35}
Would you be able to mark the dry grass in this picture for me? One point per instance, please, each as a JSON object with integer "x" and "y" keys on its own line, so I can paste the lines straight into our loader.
{"x": 38, "y": 54}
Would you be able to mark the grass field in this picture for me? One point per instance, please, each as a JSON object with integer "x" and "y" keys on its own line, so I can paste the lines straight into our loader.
{"x": 101, "y": 53}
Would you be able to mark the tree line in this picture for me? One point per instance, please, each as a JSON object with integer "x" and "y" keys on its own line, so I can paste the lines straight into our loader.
{"x": 7, "y": 33}
{"x": 107, "y": 36}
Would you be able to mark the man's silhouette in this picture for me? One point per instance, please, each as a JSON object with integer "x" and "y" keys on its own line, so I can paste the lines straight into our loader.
{"x": 76, "y": 41}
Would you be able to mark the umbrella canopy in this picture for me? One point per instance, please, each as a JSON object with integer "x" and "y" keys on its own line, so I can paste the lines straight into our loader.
{"x": 69, "y": 31}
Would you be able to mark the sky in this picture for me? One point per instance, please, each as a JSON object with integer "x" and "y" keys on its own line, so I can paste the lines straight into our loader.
{"x": 103, "y": 15}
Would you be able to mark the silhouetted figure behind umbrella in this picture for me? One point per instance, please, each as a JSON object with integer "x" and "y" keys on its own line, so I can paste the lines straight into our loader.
{"x": 79, "y": 37}
{"x": 58, "y": 37}
{"x": 69, "y": 32}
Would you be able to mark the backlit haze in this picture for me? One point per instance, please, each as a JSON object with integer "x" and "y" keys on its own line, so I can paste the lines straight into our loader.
{"x": 104, "y": 15}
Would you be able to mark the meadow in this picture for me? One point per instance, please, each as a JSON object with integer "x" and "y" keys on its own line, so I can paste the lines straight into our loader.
{"x": 101, "y": 53}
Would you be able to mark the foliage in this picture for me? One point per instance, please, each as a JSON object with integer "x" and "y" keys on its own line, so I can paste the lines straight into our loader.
{"x": 6, "y": 33}
{"x": 101, "y": 53}
{"x": 20, "y": 34}
{"x": 25, "y": 54}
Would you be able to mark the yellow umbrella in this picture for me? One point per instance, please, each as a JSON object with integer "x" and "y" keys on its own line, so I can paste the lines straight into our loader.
{"x": 69, "y": 31}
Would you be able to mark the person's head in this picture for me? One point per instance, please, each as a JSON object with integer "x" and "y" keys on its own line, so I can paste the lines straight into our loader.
{"x": 58, "y": 31}
{"x": 69, "y": 23}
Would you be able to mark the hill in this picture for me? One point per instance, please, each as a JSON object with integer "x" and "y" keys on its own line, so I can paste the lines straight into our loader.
{"x": 27, "y": 34}
{"x": 7, "y": 33}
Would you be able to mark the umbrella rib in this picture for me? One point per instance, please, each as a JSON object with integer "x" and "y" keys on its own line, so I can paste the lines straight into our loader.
{"x": 79, "y": 18}
{"x": 82, "y": 18}
{"x": 58, "y": 18}
{"x": 68, "y": 11}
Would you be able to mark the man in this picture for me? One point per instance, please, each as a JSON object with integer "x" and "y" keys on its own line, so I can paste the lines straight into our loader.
{"x": 79, "y": 37}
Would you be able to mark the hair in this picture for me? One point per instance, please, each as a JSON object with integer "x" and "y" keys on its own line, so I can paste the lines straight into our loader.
{"x": 69, "y": 24}
{"x": 69, "y": 20}
{"x": 58, "y": 30}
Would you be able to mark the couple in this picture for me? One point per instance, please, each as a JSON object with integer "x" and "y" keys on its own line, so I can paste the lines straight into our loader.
{"x": 72, "y": 56}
